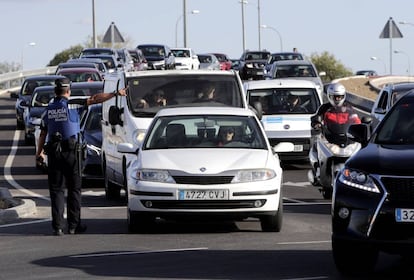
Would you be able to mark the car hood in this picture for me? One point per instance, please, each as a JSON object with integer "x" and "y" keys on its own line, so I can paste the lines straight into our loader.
{"x": 384, "y": 159}
{"x": 212, "y": 160}
{"x": 36, "y": 112}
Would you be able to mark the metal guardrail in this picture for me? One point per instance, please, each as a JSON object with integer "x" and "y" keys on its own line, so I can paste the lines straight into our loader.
{"x": 8, "y": 80}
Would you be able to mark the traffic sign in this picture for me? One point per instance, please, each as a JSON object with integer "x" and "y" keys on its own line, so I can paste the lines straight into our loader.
{"x": 390, "y": 30}
{"x": 112, "y": 35}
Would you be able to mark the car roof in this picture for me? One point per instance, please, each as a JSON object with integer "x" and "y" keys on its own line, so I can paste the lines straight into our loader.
{"x": 204, "y": 111}
{"x": 401, "y": 86}
{"x": 44, "y": 77}
{"x": 279, "y": 83}
{"x": 79, "y": 70}
{"x": 77, "y": 85}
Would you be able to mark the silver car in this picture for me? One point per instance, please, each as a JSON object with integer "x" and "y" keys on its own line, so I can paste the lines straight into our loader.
{"x": 297, "y": 69}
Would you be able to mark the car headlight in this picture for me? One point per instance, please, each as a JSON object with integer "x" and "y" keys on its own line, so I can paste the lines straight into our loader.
{"x": 358, "y": 179}
{"x": 249, "y": 65}
{"x": 254, "y": 175}
{"x": 153, "y": 175}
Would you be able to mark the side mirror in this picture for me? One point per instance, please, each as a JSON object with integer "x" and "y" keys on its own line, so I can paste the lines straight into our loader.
{"x": 126, "y": 148}
{"x": 359, "y": 133}
{"x": 115, "y": 115}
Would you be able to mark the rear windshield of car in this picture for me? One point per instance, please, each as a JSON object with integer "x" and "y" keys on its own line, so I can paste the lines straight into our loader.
{"x": 285, "y": 101}
{"x": 147, "y": 95}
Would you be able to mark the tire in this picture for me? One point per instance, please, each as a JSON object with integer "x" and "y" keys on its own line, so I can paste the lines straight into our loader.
{"x": 273, "y": 223}
{"x": 112, "y": 191}
{"x": 19, "y": 125}
{"x": 354, "y": 259}
{"x": 140, "y": 223}
{"x": 326, "y": 192}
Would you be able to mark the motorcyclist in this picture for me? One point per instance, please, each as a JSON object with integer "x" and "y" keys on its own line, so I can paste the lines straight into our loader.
{"x": 335, "y": 116}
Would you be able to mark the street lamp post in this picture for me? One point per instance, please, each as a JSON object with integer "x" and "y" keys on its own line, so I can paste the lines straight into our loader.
{"x": 176, "y": 28}
{"x": 31, "y": 44}
{"x": 376, "y": 58}
{"x": 406, "y": 22}
{"x": 408, "y": 60}
{"x": 243, "y": 2}
{"x": 274, "y": 29}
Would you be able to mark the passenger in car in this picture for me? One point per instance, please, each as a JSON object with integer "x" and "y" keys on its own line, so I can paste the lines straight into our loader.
{"x": 226, "y": 136}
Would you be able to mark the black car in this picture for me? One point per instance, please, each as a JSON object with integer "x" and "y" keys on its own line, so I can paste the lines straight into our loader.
{"x": 158, "y": 56}
{"x": 252, "y": 64}
{"x": 373, "y": 200}
{"x": 26, "y": 91}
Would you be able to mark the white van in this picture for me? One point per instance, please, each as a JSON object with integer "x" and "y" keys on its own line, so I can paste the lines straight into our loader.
{"x": 126, "y": 118}
{"x": 282, "y": 121}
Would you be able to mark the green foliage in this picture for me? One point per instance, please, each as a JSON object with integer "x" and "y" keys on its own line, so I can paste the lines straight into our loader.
{"x": 63, "y": 56}
{"x": 327, "y": 63}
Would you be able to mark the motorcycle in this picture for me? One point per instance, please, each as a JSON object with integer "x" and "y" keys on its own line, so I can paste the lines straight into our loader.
{"x": 327, "y": 157}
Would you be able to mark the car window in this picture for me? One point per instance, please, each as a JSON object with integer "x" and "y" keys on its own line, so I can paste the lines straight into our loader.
{"x": 205, "y": 132}
{"x": 398, "y": 126}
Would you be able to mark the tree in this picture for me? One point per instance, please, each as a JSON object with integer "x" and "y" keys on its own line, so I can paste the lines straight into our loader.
{"x": 63, "y": 56}
{"x": 327, "y": 63}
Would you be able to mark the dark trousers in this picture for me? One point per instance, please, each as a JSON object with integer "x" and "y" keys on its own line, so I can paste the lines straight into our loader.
{"x": 63, "y": 171}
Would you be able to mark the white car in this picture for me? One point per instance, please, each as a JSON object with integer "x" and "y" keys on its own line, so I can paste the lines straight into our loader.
{"x": 188, "y": 166}
{"x": 281, "y": 120}
{"x": 185, "y": 59}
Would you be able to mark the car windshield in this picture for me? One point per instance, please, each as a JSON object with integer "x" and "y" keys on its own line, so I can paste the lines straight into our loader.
{"x": 289, "y": 56}
{"x": 287, "y": 71}
{"x": 29, "y": 86}
{"x": 181, "y": 53}
{"x": 157, "y": 51}
{"x": 41, "y": 99}
{"x": 205, "y": 131}
{"x": 93, "y": 122}
{"x": 257, "y": 56}
{"x": 398, "y": 126}
{"x": 147, "y": 95}
{"x": 285, "y": 101}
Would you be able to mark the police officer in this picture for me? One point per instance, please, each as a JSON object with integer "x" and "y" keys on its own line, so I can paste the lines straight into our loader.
{"x": 60, "y": 124}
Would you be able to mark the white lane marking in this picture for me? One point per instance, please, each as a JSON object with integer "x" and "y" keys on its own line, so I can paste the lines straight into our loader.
{"x": 26, "y": 223}
{"x": 304, "y": 242}
{"x": 137, "y": 252}
{"x": 8, "y": 165}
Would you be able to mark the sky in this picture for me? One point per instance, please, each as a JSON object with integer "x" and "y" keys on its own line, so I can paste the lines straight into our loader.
{"x": 33, "y": 31}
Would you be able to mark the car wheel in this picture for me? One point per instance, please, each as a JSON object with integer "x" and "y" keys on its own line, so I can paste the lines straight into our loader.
{"x": 352, "y": 258}
{"x": 139, "y": 222}
{"x": 19, "y": 125}
{"x": 112, "y": 191}
{"x": 273, "y": 223}
{"x": 326, "y": 192}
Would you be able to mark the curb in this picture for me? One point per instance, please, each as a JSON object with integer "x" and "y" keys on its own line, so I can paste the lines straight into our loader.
{"x": 24, "y": 208}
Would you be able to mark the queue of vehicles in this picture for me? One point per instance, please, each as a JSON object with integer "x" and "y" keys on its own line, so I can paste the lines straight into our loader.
{"x": 177, "y": 178}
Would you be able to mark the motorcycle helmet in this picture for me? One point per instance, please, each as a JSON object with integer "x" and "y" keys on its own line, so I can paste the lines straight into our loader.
{"x": 336, "y": 94}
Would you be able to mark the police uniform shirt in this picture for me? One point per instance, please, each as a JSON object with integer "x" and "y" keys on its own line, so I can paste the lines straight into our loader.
{"x": 63, "y": 116}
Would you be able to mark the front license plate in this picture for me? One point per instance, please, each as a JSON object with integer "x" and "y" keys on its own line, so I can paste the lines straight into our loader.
{"x": 298, "y": 148}
{"x": 404, "y": 215}
{"x": 204, "y": 195}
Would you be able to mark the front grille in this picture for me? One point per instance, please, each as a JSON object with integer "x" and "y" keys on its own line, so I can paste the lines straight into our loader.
{"x": 203, "y": 180}
{"x": 202, "y": 204}
{"x": 399, "y": 189}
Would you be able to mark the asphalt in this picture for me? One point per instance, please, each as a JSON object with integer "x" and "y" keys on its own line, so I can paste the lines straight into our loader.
{"x": 14, "y": 208}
